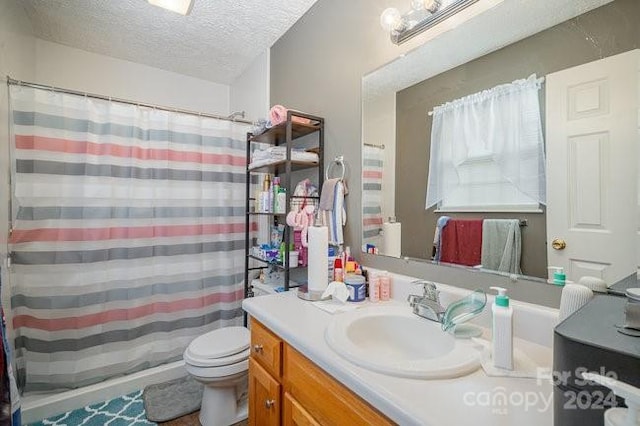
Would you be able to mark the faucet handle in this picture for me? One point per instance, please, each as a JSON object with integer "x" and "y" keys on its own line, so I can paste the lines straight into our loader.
{"x": 429, "y": 289}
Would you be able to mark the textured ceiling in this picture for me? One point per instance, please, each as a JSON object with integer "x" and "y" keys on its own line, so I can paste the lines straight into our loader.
{"x": 216, "y": 42}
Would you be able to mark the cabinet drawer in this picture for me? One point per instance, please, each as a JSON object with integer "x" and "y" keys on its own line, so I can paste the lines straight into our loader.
{"x": 266, "y": 348}
{"x": 264, "y": 397}
{"x": 326, "y": 400}
{"x": 294, "y": 415}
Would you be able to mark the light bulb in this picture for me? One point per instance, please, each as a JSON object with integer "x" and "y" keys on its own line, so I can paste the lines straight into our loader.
{"x": 391, "y": 19}
{"x": 417, "y": 4}
{"x": 432, "y": 5}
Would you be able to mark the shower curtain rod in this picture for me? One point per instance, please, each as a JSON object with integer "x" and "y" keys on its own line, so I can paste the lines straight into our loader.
{"x": 124, "y": 101}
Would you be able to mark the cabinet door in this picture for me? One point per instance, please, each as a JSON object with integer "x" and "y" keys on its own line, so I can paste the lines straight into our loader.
{"x": 323, "y": 397}
{"x": 266, "y": 348}
{"x": 264, "y": 397}
{"x": 294, "y": 415}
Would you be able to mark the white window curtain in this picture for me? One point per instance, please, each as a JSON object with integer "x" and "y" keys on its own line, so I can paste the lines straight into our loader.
{"x": 487, "y": 149}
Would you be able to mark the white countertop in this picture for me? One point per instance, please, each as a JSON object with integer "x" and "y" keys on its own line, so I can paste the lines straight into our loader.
{"x": 475, "y": 399}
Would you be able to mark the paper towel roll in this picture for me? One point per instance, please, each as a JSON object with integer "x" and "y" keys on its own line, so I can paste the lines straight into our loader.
{"x": 391, "y": 238}
{"x": 318, "y": 258}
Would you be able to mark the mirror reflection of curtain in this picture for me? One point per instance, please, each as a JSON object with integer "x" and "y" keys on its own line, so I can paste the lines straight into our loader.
{"x": 128, "y": 235}
{"x": 372, "y": 166}
{"x": 487, "y": 149}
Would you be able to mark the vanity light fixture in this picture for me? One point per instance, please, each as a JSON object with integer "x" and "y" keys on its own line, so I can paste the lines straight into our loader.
{"x": 423, "y": 14}
{"x": 183, "y": 7}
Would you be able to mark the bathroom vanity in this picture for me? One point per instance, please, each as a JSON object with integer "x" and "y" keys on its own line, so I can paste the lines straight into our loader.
{"x": 284, "y": 384}
{"x": 296, "y": 378}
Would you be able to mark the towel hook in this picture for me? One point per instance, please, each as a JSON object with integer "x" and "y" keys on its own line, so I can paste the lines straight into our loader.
{"x": 339, "y": 160}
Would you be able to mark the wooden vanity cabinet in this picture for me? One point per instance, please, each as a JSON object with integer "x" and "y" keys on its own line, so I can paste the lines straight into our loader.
{"x": 287, "y": 388}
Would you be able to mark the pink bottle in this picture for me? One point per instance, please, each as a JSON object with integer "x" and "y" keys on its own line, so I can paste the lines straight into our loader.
{"x": 374, "y": 288}
{"x": 385, "y": 287}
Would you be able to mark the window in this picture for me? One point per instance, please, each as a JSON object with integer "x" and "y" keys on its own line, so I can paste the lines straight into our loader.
{"x": 487, "y": 151}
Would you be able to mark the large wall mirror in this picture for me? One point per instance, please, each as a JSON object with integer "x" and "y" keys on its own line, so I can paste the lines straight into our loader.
{"x": 586, "y": 71}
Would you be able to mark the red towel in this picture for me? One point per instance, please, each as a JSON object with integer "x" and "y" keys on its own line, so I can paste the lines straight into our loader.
{"x": 461, "y": 242}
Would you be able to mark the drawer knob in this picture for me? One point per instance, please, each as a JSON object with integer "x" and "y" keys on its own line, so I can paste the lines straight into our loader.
{"x": 258, "y": 348}
{"x": 269, "y": 403}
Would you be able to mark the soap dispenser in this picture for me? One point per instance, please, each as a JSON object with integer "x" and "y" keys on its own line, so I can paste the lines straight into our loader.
{"x": 502, "y": 348}
{"x": 559, "y": 277}
{"x": 619, "y": 416}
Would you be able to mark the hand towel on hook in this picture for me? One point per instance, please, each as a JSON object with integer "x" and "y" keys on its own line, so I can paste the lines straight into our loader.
{"x": 335, "y": 218}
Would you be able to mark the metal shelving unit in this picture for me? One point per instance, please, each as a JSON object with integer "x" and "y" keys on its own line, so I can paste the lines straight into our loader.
{"x": 284, "y": 134}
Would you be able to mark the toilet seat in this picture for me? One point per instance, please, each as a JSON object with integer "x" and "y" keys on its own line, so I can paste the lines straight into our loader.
{"x": 218, "y": 348}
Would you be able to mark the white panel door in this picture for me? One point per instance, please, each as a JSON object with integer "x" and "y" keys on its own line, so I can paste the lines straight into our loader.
{"x": 592, "y": 168}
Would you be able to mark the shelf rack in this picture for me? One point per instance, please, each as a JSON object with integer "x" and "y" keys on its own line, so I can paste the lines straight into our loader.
{"x": 283, "y": 134}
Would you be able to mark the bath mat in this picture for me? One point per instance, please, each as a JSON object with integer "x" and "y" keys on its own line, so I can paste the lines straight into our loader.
{"x": 126, "y": 410}
{"x": 173, "y": 399}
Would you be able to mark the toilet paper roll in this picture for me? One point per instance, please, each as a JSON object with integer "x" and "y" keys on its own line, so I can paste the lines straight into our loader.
{"x": 318, "y": 258}
{"x": 391, "y": 238}
{"x": 574, "y": 297}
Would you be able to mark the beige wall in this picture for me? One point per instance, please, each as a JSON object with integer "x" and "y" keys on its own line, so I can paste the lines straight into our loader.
{"x": 250, "y": 91}
{"x": 18, "y": 60}
{"x": 318, "y": 64}
{"x": 76, "y": 69}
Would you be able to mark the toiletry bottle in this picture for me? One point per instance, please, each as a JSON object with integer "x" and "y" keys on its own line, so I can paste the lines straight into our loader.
{"x": 502, "y": 330}
{"x": 274, "y": 193}
{"x": 618, "y": 416}
{"x": 385, "y": 286}
{"x": 374, "y": 288}
{"x": 559, "y": 277}
{"x": 281, "y": 201}
{"x": 264, "y": 195}
{"x": 337, "y": 270}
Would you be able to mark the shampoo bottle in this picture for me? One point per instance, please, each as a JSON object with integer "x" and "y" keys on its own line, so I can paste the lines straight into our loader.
{"x": 502, "y": 352}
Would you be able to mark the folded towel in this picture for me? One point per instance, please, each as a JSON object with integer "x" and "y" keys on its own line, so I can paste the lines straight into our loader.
{"x": 278, "y": 114}
{"x": 335, "y": 218}
{"x": 461, "y": 242}
{"x": 328, "y": 194}
{"x": 501, "y": 245}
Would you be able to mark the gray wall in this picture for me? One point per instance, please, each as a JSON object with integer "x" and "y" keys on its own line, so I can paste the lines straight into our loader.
{"x": 551, "y": 50}
{"x": 317, "y": 67}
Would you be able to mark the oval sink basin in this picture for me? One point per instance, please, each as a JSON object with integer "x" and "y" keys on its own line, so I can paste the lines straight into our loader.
{"x": 394, "y": 341}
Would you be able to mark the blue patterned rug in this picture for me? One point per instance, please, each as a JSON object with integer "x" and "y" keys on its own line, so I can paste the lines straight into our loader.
{"x": 126, "y": 410}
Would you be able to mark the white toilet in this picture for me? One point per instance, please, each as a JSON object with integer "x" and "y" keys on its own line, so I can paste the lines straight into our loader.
{"x": 220, "y": 360}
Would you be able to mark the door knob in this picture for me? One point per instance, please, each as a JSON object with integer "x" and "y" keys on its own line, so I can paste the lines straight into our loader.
{"x": 269, "y": 403}
{"x": 258, "y": 348}
{"x": 558, "y": 244}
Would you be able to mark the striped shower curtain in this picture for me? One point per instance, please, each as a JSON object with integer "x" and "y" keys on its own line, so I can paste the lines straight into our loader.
{"x": 372, "y": 165}
{"x": 128, "y": 235}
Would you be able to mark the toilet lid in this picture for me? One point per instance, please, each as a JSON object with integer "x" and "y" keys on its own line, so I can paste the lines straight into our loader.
{"x": 220, "y": 343}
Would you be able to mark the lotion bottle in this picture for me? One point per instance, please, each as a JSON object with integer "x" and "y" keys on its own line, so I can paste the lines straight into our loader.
{"x": 374, "y": 288}
{"x": 502, "y": 347}
{"x": 385, "y": 287}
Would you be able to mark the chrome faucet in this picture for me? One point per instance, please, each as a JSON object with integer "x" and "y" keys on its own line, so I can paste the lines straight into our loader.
{"x": 428, "y": 305}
